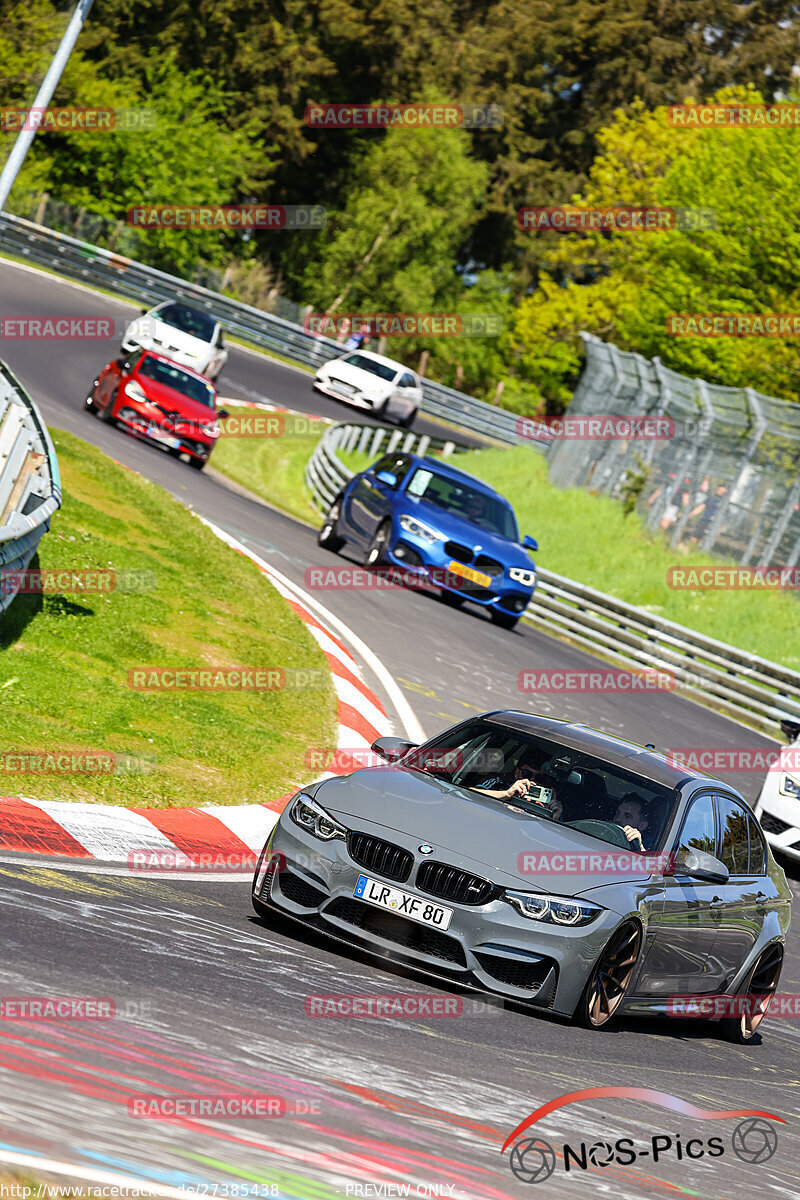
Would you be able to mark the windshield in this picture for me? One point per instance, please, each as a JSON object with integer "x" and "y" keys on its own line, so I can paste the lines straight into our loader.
{"x": 374, "y": 368}
{"x": 481, "y": 508}
{"x": 188, "y": 320}
{"x": 562, "y": 784}
{"x": 173, "y": 377}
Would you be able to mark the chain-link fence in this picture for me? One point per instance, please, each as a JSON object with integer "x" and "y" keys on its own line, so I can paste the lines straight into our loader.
{"x": 726, "y": 477}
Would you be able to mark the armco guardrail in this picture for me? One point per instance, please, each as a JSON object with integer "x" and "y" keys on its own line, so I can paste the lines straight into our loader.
{"x": 126, "y": 277}
{"x": 30, "y": 484}
{"x": 741, "y": 685}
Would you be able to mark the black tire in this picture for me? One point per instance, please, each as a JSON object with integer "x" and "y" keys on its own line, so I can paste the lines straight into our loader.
{"x": 407, "y": 422}
{"x": 105, "y": 413}
{"x": 762, "y": 981}
{"x": 376, "y": 554}
{"x": 329, "y": 537}
{"x": 451, "y": 599}
{"x": 503, "y": 620}
{"x": 608, "y": 982}
{"x": 197, "y": 463}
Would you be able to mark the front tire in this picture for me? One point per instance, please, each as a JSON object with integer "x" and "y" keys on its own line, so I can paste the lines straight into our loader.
{"x": 503, "y": 620}
{"x": 376, "y": 555}
{"x": 606, "y": 986}
{"x": 762, "y": 982}
{"x": 329, "y": 537}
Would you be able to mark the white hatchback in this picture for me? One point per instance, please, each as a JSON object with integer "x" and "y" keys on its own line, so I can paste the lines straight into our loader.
{"x": 186, "y": 335}
{"x": 382, "y": 386}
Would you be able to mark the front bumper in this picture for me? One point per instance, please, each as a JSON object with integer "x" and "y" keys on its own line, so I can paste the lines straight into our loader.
{"x": 139, "y": 422}
{"x": 489, "y": 946}
{"x": 502, "y": 593}
{"x": 779, "y": 817}
{"x": 356, "y": 400}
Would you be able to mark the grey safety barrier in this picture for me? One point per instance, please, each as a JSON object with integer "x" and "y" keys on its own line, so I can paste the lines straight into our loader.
{"x": 124, "y": 276}
{"x": 744, "y": 686}
{"x": 30, "y": 484}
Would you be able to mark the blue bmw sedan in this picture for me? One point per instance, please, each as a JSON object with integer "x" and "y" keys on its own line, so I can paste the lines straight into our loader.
{"x": 432, "y": 520}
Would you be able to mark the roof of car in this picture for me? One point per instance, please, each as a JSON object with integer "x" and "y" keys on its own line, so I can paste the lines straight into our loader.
{"x": 617, "y": 752}
{"x": 442, "y": 467}
{"x": 381, "y": 358}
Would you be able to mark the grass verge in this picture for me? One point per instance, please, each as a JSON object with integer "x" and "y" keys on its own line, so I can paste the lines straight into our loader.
{"x": 65, "y": 658}
{"x": 586, "y": 537}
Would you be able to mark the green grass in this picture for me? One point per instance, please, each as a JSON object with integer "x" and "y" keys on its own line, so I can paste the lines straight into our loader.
{"x": 587, "y": 538}
{"x": 272, "y": 467}
{"x": 65, "y": 659}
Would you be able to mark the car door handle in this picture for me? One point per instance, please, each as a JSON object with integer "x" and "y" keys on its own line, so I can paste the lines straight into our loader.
{"x": 716, "y": 906}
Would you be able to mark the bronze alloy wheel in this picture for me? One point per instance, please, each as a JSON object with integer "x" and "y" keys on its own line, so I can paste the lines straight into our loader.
{"x": 609, "y": 980}
{"x": 760, "y": 985}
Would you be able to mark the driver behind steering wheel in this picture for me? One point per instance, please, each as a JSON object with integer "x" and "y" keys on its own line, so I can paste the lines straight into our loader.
{"x": 631, "y": 814}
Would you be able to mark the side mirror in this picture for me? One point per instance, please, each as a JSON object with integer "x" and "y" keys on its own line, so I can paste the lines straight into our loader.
{"x": 392, "y": 748}
{"x": 530, "y": 543}
{"x": 790, "y": 728}
{"x": 144, "y": 311}
{"x": 698, "y": 864}
{"x": 125, "y": 364}
{"x": 222, "y": 414}
{"x": 387, "y": 478}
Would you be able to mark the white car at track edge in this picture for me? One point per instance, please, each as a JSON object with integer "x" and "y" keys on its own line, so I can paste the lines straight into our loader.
{"x": 380, "y": 385}
{"x": 186, "y": 335}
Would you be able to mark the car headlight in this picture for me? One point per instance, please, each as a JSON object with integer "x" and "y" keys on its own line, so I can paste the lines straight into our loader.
{"x": 420, "y": 530}
{"x": 553, "y": 910}
{"x": 135, "y": 391}
{"x": 523, "y": 575}
{"x": 789, "y": 786}
{"x": 312, "y": 817}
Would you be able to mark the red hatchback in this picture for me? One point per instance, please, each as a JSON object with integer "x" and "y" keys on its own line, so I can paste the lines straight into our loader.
{"x": 154, "y": 398}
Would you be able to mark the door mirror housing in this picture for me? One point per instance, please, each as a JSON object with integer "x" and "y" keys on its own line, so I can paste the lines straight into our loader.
{"x": 392, "y": 748}
{"x": 223, "y": 414}
{"x": 790, "y": 728}
{"x": 387, "y": 478}
{"x": 530, "y": 543}
{"x": 698, "y": 864}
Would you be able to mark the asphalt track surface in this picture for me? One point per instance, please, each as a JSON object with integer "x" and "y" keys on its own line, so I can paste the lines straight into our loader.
{"x": 214, "y": 1002}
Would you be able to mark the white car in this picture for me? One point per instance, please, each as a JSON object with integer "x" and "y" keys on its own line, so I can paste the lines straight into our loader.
{"x": 382, "y": 386}
{"x": 186, "y": 335}
{"x": 778, "y": 806}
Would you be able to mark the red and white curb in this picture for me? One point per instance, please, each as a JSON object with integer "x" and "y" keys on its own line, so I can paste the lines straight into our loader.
{"x": 229, "y": 834}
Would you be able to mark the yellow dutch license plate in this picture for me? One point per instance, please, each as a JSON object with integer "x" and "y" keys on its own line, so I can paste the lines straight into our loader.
{"x": 478, "y": 577}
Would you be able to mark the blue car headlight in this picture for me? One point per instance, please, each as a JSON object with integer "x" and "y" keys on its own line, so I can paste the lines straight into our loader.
{"x": 524, "y": 575}
{"x": 553, "y": 910}
{"x": 789, "y": 787}
{"x": 419, "y": 529}
{"x": 312, "y": 817}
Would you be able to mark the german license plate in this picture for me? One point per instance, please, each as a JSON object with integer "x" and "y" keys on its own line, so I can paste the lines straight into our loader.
{"x": 165, "y": 439}
{"x": 403, "y": 903}
{"x": 346, "y": 389}
{"x": 478, "y": 577}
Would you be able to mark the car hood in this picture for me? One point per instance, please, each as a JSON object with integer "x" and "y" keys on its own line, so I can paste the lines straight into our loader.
{"x": 458, "y": 529}
{"x": 364, "y": 380}
{"x": 151, "y": 330}
{"x": 467, "y": 830}
{"x": 174, "y": 401}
